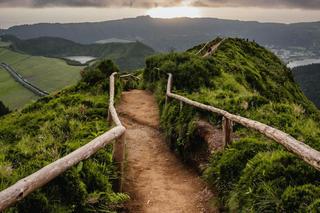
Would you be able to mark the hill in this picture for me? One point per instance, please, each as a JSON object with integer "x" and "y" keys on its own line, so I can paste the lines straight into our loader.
{"x": 46, "y": 73}
{"x": 254, "y": 174}
{"x": 178, "y": 33}
{"x": 13, "y": 94}
{"x": 53, "y": 127}
{"x": 308, "y": 78}
{"x": 129, "y": 56}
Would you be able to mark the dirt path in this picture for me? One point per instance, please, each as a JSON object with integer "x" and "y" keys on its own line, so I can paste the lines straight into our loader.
{"x": 156, "y": 180}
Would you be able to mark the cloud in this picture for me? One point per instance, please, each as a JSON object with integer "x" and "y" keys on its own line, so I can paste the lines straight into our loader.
{"x": 302, "y": 4}
{"x": 89, "y": 3}
{"x": 299, "y": 4}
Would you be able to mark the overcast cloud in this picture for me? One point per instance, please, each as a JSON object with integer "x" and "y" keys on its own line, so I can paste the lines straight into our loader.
{"x": 300, "y": 4}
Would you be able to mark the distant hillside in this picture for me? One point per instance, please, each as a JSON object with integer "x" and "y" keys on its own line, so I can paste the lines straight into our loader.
{"x": 308, "y": 78}
{"x": 49, "y": 74}
{"x": 128, "y": 56}
{"x": 253, "y": 174}
{"x": 178, "y": 33}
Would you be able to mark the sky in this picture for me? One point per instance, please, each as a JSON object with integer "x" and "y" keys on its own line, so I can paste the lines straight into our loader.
{"x": 16, "y": 12}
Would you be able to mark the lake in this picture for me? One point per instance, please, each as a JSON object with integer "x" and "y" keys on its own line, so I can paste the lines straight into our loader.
{"x": 81, "y": 59}
{"x": 304, "y": 62}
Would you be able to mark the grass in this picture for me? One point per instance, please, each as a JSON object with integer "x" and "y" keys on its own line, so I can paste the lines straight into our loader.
{"x": 254, "y": 174}
{"x": 4, "y": 44}
{"x": 51, "y": 128}
{"x": 13, "y": 94}
{"x": 48, "y": 74}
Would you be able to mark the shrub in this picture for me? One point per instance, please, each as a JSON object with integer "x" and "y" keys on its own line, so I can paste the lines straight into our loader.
{"x": 226, "y": 168}
{"x": 99, "y": 72}
{"x": 298, "y": 198}
{"x": 266, "y": 177}
{"x": 190, "y": 71}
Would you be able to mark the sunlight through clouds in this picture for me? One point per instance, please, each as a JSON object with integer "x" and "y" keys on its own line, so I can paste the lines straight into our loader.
{"x": 173, "y": 12}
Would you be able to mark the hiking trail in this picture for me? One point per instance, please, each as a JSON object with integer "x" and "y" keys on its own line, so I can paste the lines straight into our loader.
{"x": 155, "y": 178}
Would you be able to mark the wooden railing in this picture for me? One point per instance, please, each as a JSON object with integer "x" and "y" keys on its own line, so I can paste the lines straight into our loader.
{"x": 302, "y": 150}
{"x": 27, "y": 185}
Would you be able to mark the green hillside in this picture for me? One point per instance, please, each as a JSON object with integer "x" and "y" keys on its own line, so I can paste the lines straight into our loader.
{"x": 46, "y": 73}
{"x": 254, "y": 174}
{"x": 13, "y": 94}
{"x": 51, "y": 128}
{"x": 128, "y": 56}
{"x": 308, "y": 78}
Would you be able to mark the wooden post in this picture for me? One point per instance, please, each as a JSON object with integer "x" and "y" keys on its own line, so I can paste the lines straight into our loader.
{"x": 169, "y": 86}
{"x": 119, "y": 156}
{"x": 227, "y": 131}
{"x": 109, "y": 119}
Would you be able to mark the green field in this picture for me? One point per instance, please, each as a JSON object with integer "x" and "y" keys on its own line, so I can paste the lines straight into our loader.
{"x": 46, "y": 73}
{"x": 4, "y": 44}
{"x": 12, "y": 94}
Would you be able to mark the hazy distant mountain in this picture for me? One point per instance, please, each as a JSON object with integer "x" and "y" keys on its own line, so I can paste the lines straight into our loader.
{"x": 178, "y": 33}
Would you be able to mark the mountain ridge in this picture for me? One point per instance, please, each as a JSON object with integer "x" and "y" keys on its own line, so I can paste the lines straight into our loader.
{"x": 128, "y": 56}
{"x": 177, "y": 33}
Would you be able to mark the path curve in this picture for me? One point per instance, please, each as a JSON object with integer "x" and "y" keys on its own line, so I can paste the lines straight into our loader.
{"x": 155, "y": 178}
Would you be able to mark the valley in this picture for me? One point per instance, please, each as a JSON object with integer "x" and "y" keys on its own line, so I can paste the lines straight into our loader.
{"x": 46, "y": 73}
{"x": 13, "y": 94}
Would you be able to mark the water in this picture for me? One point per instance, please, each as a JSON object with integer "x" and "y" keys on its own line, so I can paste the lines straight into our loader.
{"x": 81, "y": 59}
{"x": 113, "y": 40}
{"x": 304, "y": 62}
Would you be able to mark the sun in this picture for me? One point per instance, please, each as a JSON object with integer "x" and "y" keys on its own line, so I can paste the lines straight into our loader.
{"x": 174, "y": 12}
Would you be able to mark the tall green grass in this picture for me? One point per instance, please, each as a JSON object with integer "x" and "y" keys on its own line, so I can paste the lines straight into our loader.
{"x": 254, "y": 174}
{"x": 51, "y": 128}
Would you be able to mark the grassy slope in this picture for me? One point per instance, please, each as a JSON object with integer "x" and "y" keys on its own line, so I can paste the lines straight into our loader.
{"x": 49, "y": 129}
{"x": 254, "y": 174}
{"x": 48, "y": 74}
{"x": 12, "y": 94}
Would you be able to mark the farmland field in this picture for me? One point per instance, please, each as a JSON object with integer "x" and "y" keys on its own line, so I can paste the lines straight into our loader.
{"x": 47, "y": 73}
{"x": 12, "y": 94}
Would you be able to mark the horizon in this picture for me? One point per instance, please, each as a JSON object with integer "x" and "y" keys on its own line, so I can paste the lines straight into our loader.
{"x": 18, "y": 12}
{"x": 147, "y": 15}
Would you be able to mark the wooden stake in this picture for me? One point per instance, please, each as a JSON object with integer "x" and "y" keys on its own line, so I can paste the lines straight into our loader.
{"x": 227, "y": 131}
{"x": 119, "y": 156}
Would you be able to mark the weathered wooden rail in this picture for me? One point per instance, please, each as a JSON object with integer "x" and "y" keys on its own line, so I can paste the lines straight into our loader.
{"x": 302, "y": 150}
{"x": 27, "y": 185}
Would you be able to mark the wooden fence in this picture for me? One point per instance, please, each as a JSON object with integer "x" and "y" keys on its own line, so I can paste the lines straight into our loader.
{"x": 302, "y": 150}
{"x": 27, "y": 185}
